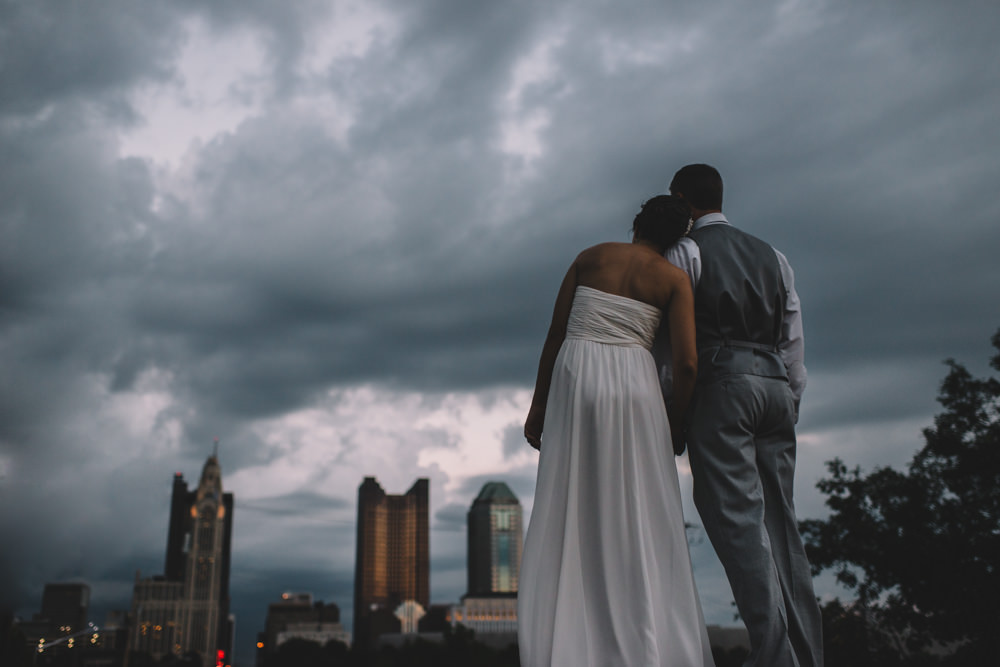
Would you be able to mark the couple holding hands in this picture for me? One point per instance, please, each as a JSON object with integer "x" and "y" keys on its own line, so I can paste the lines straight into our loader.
{"x": 606, "y": 576}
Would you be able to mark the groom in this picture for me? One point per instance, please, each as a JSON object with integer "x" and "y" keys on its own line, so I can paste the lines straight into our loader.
{"x": 741, "y": 424}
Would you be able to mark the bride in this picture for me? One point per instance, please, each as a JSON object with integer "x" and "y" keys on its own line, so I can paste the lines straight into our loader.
{"x": 606, "y": 575}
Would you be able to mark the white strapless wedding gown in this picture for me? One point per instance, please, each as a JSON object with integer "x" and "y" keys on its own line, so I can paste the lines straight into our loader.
{"x": 606, "y": 576}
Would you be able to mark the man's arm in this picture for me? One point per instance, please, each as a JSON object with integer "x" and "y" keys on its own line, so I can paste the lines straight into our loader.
{"x": 684, "y": 357}
{"x": 685, "y": 256}
{"x": 791, "y": 346}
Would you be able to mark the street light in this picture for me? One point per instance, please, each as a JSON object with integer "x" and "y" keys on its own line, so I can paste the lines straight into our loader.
{"x": 90, "y": 629}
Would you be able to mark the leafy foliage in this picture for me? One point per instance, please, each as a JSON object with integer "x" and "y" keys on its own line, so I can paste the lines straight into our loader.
{"x": 734, "y": 657}
{"x": 921, "y": 548}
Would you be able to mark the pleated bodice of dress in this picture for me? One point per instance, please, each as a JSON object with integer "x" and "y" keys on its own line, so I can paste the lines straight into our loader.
{"x": 611, "y": 319}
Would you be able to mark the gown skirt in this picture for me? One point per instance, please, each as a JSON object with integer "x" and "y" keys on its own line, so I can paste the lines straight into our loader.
{"x": 606, "y": 578}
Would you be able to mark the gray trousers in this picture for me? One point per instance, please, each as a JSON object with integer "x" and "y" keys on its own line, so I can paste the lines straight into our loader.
{"x": 741, "y": 442}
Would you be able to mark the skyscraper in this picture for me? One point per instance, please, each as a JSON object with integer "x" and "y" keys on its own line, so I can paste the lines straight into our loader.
{"x": 392, "y": 562}
{"x": 204, "y": 611}
{"x": 494, "y": 565}
{"x": 180, "y": 531}
{"x": 495, "y": 538}
{"x": 187, "y": 609}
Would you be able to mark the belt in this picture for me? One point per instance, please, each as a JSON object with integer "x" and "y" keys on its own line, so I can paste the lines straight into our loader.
{"x": 725, "y": 342}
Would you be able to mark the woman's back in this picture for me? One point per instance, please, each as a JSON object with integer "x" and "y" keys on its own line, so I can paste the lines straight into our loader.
{"x": 631, "y": 270}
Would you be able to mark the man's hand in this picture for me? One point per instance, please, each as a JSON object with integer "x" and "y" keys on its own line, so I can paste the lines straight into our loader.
{"x": 679, "y": 440}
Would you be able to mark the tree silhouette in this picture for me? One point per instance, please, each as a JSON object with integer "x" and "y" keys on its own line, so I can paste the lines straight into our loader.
{"x": 920, "y": 548}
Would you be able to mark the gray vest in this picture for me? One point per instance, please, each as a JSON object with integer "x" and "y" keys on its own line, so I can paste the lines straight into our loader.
{"x": 739, "y": 304}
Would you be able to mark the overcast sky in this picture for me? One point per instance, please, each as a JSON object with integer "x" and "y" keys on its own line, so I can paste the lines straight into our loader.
{"x": 331, "y": 234}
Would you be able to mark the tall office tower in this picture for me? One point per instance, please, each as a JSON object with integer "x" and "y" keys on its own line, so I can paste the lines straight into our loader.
{"x": 180, "y": 532}
{"x": 187, "y": 609}
{"x": 179, "y": 529}
{"x": 495, "y": 538}
{"x": 392, "y": 562}
{"x": 203, "y": 610}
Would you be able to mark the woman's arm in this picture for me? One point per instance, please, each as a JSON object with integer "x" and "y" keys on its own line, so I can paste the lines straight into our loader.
{"x": 684, "y": 359}
{"x": 553, "y": 341}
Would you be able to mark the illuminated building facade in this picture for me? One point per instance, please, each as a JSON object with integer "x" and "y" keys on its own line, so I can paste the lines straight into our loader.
{"x": 495, "y": 537}
{"x": 156, "y": 607}
{"x": 487, "y": 614}
{"x": 392, "y": 561}
{"x": 187, "y": 609}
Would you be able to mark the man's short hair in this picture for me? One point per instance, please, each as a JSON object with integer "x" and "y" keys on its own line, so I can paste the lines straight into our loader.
{"x": 700, "y": 184}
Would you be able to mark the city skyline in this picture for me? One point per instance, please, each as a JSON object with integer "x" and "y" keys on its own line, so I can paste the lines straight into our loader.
{"x": 160, "y": 603}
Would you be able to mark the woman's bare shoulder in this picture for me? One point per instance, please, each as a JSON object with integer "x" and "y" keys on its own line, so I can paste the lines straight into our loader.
{"x": 603, "y": 248}
{"x": 601, "y": 253}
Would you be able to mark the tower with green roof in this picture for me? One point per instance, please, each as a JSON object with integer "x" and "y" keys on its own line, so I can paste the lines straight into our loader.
{"x": 495, "y": 540}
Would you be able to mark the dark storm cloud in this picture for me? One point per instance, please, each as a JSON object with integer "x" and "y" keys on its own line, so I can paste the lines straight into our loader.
{"x": 281, "y": 260}
{"x": 428, "y": 297}
{"x": 451, "y": 518}
{"x": 294, "y": 504}
{"x": 513, "y": 440}
{"x": 55, "y": 51}
{"x": 455, "y": 563}
{"x": 81, "y": 519}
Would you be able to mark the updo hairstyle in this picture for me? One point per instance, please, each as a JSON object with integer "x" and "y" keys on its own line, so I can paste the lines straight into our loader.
{"x": 662, "y": 220}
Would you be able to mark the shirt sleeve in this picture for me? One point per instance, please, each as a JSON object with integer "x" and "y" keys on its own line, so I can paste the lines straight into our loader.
{"x": 791, "y": 346}
{"x": 686, "y": 256}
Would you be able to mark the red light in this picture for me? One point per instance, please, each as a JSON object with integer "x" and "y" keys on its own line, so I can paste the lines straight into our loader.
{"x": 220, "y": 658}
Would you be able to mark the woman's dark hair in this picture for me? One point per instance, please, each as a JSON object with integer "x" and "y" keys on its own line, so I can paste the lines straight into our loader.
{"x": 662, "y": 220}
{"x": 700, "y": 184}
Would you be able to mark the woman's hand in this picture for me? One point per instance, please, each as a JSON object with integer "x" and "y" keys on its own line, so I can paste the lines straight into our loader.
{"x": 553, "y": 341}
{"x": 533, "y": 427}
